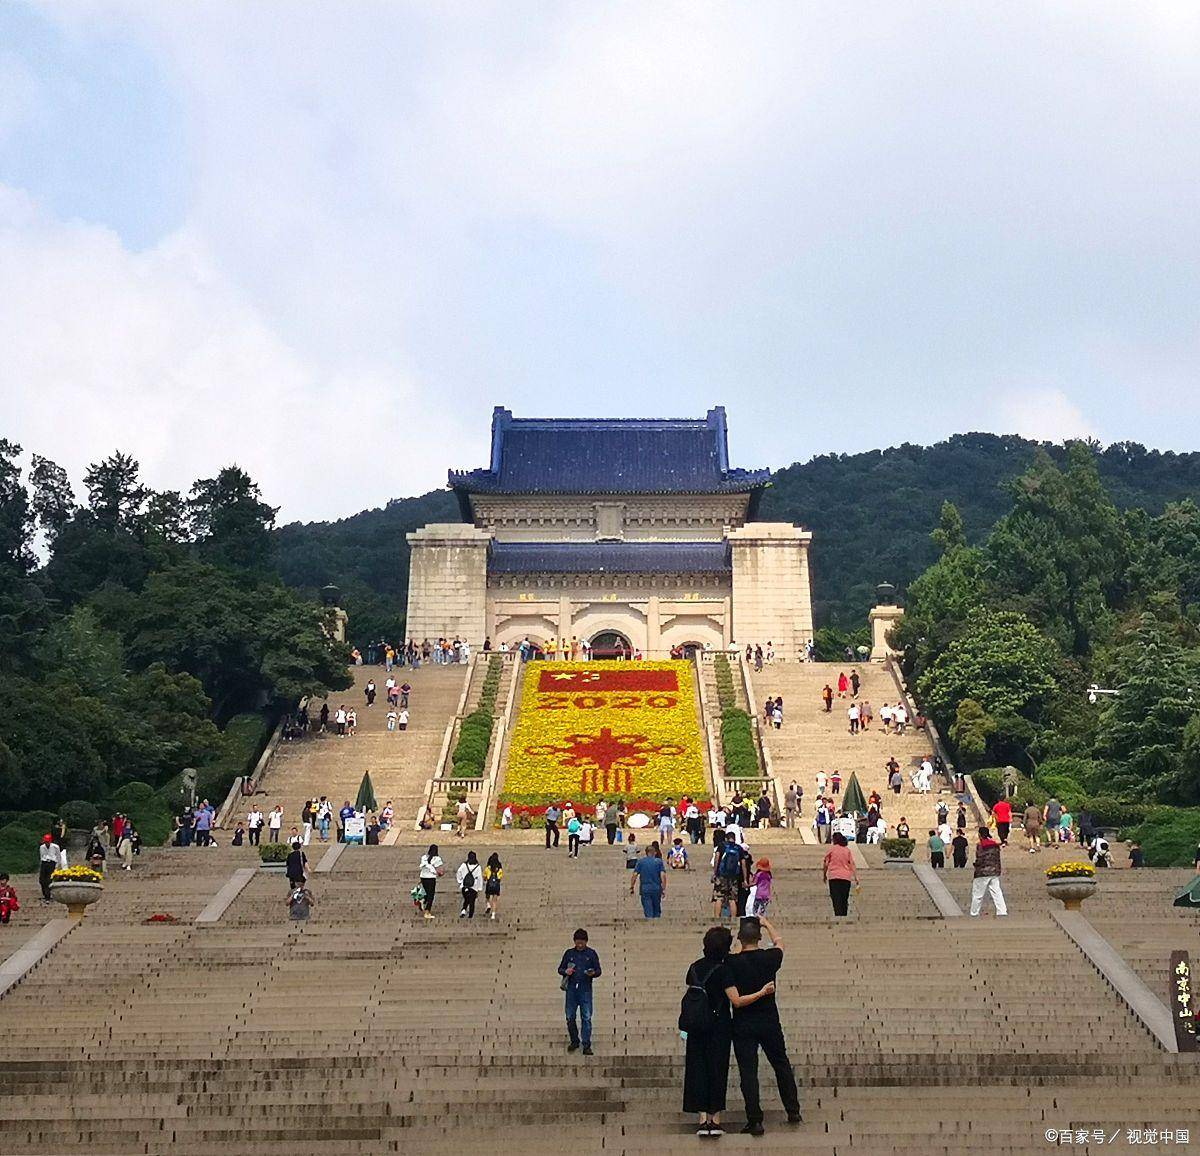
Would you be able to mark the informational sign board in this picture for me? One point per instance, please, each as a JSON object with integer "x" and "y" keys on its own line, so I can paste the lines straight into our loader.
{"x": 1183, "y": 1001}
{"x": 356, "y": 829}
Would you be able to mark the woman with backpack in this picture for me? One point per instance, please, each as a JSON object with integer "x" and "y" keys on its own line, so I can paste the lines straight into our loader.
{"x": 470, "y": 883}
{"x": 493, "y": 873}
{"x": 727, "y": 875}
{"x": 431, "y": 869}
{"x": 706, "y": 1020}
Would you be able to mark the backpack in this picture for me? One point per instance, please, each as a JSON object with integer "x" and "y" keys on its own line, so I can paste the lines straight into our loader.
{"x": 695, "y": 1014}
{"x": 729, "y": 866}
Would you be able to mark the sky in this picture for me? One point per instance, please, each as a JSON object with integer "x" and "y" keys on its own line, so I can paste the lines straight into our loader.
{"x": 323, "y": 240}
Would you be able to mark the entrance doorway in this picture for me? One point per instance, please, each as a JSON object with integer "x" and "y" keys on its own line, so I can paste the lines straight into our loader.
{"x": 611, "y": 644}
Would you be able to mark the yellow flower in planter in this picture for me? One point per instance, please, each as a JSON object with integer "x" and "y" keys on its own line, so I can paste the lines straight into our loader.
{"x": 593, "y": 729}
{"x": 1070, "y": 871}
{"x": 77, "y": 874}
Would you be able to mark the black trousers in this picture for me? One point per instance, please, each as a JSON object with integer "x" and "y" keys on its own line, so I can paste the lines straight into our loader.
{"x": 1002, "y": 830}
{"x": 45, "y": 870}
{"x": 839, "y": 893}
{"x": 572, "y": 845}
{"x": 551, "y": 830}
{"x": 469, "y": 898}
{"x": 611, "y": 831}
{"x": 937, "y": 859}
{"x": 747, "y": 1039}
{"x": 430, "y": 886}
{"x": 255, "y": 836}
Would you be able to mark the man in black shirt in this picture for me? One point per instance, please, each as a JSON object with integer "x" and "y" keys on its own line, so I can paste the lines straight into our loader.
{"x": 757, "y": 1024}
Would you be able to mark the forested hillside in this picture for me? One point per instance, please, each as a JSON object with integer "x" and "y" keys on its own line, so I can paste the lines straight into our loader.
{"x": 870, "y": 514}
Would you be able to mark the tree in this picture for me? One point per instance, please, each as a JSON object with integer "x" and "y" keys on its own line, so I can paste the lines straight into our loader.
{"x": 243, "y": 641}
{"x": 970, "y": 730}
{"x": 115, "y": 495}
{"x": 231, "y": 521}
{"x": 949, "y": 534}
{"x": 79, "y": 649}
{"x": 1061, "y": 555}
{"x": 1000, "y": 660}
{"x": 1142, "y": 728}
{"x": 53, "y": 503}
{"x": 16, "y": 558}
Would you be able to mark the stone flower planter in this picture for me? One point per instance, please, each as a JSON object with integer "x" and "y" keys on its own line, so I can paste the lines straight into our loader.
{"x": 1072, "y": 891}
{"x": 76, "y": 895}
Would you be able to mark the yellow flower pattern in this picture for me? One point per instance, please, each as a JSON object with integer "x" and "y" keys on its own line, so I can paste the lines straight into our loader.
{"x": 590, "y": 730}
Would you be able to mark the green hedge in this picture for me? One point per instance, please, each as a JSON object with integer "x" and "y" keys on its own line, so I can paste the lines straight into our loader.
{"x": 469, "y": 757}
{"x": 737, "y": 745}
{"x": 274, "y": 852}
{"x": 19, "y": 849}
{"x": 726, "y": 696}
{"x": 898, "y": 848}
{"x": 1169, "y": 836}
{"x": 991, "y": 787}
{"x": 79, "y": 814}
{"x": 37, "y": 821}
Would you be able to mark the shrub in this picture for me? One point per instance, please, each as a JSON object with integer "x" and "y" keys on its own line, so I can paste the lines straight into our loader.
{"x": 1110, "y": 812}
{"x": 991, "y": 788}
{"x": 130, "y": 794}
{"x": 737, "y": 745}
{"x": 1090, "y": 774}
{"x": 19, "y": 848}
{"x": 471, "y": 750}
{"x": 1064, "y": 788}
{"x": 37, "y": 821}
{"x": 724, "y": 676}
{"x": 1169, "y": 836}
{"x": 79, "y": 814}
{"x": 274, "y": 852}
{"x": 898, "y": 848}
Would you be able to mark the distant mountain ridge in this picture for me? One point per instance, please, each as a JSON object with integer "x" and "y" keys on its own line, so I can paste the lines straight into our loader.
{"x": 871, "y": 514}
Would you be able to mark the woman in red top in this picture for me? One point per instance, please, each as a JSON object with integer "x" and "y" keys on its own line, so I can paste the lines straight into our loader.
{"x": 843, "y": 684}
{"x": 839, "y": 872}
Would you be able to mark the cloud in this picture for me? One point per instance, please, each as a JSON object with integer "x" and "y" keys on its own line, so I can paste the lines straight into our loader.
{"x": 155, "y": 353}
{"x": 846, "y": 224}
{"x": 1044, "y": 413}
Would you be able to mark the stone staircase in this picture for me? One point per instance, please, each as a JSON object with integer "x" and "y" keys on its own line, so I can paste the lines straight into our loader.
{"x": 369, "y": 1030}
{"x": 400, "y": 762}
{"x": 812, "y": 740}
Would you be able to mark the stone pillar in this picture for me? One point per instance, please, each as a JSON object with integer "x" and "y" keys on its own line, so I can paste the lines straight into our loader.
{"x": 566, "y": 616}
{"x": 653, "y": 628}
{"x": 882, "y": 619}
{"x": 340, "y": 618}
{"x": 447, "y": 583}
{"x": 772, "y": 598}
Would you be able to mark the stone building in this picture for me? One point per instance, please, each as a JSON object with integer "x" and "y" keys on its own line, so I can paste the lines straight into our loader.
{"x": 627, "y": 533}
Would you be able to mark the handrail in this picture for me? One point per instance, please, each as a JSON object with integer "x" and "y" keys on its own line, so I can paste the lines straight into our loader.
{"x": 498, "y": 733}
{"x": 711, "y": 747}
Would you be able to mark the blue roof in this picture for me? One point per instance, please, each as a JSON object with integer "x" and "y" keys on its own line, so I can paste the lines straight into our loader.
{"x": 608, "y": 456}
{"x": 608, "y": 558}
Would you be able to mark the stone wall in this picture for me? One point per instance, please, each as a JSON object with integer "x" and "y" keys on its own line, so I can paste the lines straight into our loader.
{"x": 772, "y": 596}
{"x": 447, "y": 583}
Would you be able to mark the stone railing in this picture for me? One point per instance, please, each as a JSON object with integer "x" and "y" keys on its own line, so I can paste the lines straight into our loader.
{"x": 496, "y": 750}
{"x": 710, "y": 746}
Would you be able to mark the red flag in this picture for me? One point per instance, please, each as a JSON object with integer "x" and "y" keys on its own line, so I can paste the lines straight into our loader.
{"x": 581, "y": 679}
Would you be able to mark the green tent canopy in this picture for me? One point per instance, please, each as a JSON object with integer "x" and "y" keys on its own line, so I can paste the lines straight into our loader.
{"x": 853, "y": 799}
{"x": 1190, "y": 895}
{"x": 365, "y": 800}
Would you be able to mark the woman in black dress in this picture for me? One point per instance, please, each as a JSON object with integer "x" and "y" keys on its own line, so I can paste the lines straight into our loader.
{"x": 706, "y": 1067}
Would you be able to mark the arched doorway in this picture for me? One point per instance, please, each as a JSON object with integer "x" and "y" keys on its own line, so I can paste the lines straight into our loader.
{"x": 610, "y": 644}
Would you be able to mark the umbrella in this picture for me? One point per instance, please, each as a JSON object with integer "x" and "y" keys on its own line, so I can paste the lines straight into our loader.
{"x": 1190, "y": 895}
{"x": 365, "y": 800}
{"x": 853, "y": 799}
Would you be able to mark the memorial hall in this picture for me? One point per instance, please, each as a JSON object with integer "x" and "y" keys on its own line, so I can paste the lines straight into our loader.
{"x": 627, "y": 535}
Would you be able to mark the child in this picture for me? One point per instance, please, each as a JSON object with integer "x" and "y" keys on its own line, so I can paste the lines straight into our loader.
{"x": 631, "y": 852}
{"x": 8, "y": 899}
{"x": 959, "y": 847}
{"x": 677, "y": 857}
{"x": 835, "y": 782}
{"x": 300, "y": 902}
{"x": 391, "y": 719}
{"x": 762, "y": 886}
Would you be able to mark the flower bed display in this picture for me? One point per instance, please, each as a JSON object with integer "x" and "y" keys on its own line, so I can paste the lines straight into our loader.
{"x": 592, "y": 730}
